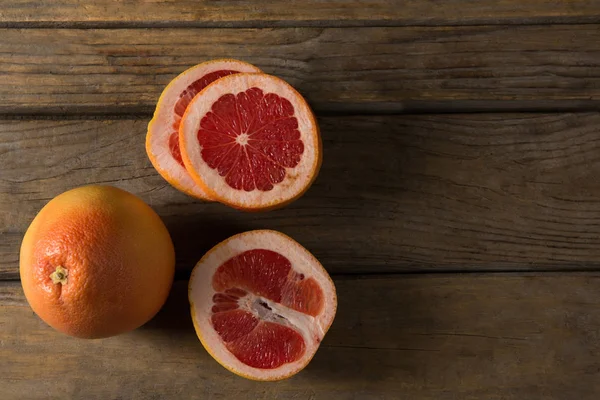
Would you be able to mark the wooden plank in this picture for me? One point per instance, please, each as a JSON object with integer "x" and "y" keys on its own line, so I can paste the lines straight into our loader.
{"x": 294, "y": 12}
{"x": 391, "y": 69}
{"x": 396, "y": 337}
{"x": 396, "y": 193}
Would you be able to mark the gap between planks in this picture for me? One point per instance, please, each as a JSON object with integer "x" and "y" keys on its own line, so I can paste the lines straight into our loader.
{"x": 296, "y": 24}
{"x": 549, "y": 271}
{"x": 326, "y": 109}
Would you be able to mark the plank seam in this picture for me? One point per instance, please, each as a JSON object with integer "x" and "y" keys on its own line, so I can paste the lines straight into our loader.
{"x": 345, "y": 110}
{"x": 256, "y": 24}
{"x": 457, "y": 272}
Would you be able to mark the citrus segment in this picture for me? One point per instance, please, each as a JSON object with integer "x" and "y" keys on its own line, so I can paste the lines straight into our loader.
{"x": 162, "y": 140}
{"x": 278, "y": 344}
{"x": 251, "y": 141}
{"x": 261, "y": 304}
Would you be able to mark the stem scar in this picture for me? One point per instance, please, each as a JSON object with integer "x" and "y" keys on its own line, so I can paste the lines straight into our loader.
{"x": 59, "y": 275}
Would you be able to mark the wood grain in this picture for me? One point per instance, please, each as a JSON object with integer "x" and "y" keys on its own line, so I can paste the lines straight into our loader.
{"x": 428, "y": 337}
{"x": 72, "y": 71}
{"x": 395, "y": 193}
{"x": 294, "y": 12}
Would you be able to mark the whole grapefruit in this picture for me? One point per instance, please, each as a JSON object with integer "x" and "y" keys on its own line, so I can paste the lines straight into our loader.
{"x": 96, "y": 261}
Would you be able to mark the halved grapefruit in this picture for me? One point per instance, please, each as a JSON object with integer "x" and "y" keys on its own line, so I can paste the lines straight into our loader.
{"x": 162, "y": 140}
{"x": 261, "y": 304}
{"x": 251, "y": 141}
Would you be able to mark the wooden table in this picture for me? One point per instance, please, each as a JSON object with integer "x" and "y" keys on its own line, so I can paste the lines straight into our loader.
{"x": 458, "y": 207}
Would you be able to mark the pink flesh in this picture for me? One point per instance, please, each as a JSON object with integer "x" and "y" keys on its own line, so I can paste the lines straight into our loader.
{"x": 266, "y": 274}
{"x": 184, "y": 100}
{"x": 270, "y": 142}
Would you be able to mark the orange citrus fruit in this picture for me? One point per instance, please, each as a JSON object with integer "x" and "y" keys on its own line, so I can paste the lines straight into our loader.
{"x": 261, "y": 304}
{"x": 250, "y": 141}
{"x": 96, "y": 261}
{"x": 162, "y": 139}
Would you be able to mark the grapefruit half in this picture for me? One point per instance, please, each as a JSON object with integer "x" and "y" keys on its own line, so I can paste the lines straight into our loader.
{"x": 261, "y": 304}
{"x": 162, "y": 140}
{"x": 251, "y": 141}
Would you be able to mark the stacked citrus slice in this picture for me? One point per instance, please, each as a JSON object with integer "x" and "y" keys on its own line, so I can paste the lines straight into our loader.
{"x": 162, "y": 140}
{"x": 261, "y": 304}
{"x": 224, "y": 131}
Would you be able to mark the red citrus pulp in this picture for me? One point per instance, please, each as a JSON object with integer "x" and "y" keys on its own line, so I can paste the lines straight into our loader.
{"x": 261, "y": 304}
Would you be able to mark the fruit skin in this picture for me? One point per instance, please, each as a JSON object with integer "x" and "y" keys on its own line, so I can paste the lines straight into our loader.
{"x": 118, "y": 256}
{"x": 198, "y": 329}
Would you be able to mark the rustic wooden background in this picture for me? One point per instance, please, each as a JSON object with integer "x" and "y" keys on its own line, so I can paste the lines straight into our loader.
{"x": 458, "y": 208}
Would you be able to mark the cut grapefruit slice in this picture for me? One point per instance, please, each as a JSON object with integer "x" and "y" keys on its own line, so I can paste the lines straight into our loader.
{"x": 162, "y": 140}
{"x": 251, "y": 142}
{"x": 261, "y": 304}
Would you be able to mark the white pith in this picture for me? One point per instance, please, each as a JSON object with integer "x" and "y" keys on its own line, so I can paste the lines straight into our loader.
{"x": 242, "y": 139}
{"x": 303, "y": 323}
{"x": 297, "y": 178}
{"x": 161, "y": 125}
{"x": 312, "y": 329}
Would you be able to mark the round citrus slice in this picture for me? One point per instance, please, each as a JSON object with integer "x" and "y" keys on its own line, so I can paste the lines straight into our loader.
{"x": 162, "y": 140}
{"x": 261, "y": 304}
{"x": 251, "y": 142}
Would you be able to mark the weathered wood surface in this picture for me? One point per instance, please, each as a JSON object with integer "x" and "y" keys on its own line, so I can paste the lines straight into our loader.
{"x": 72, "y": 71}
{"x": 396, "y": 193}
{"x": 411, "y": 193}
{"x": 295, "y": 12}
{"x": 405, "y": 337}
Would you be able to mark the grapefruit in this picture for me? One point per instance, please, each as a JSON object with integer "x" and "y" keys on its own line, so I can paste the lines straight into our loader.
{"x": 250, "y": 141}
{"x": 162, "y": 139}
{"x": 96, "y": 261}
{"x": 261, "y": 304}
